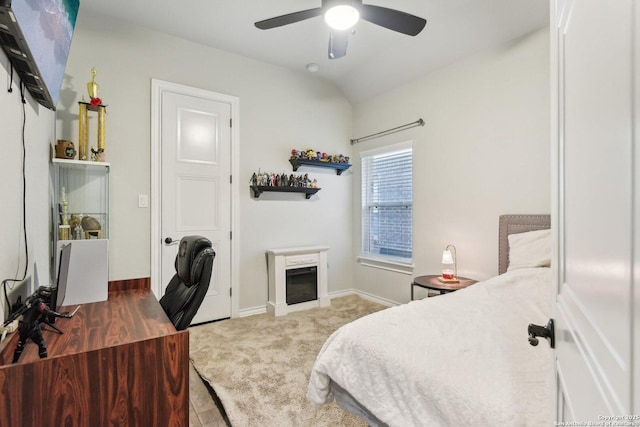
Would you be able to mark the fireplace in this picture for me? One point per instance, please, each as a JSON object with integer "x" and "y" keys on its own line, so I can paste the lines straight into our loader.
{"x": 302, "y": 285}
{"x": 297, "y": 279}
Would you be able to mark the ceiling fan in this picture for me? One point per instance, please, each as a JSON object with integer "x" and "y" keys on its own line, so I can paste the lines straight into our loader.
{"x": 342, "y": 15}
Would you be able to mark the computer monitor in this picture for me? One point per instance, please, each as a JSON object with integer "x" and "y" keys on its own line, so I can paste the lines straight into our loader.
{"x": 63, "y": 274}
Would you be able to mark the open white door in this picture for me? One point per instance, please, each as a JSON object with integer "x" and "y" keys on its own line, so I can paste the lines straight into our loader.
{"x": 594, "y": 215}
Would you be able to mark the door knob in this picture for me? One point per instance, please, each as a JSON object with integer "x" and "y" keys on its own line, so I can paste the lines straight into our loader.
{"x": 169, "y": 241}
{"x": 542, "y": 331}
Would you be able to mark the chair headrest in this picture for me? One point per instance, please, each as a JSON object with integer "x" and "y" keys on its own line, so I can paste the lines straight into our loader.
{"x": 192, "y": 252}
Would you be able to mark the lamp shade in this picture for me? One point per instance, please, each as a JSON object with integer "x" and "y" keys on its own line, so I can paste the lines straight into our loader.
{"x": 447, "y": 258}
{"x": 448, "y": 261}
{"x": 341, "y": 17}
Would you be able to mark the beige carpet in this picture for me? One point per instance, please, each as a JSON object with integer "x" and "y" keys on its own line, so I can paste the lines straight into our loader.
{"x": 259, "y": 366}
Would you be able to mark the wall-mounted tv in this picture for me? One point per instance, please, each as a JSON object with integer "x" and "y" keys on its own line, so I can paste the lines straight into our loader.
{"x": 36, "y": 36}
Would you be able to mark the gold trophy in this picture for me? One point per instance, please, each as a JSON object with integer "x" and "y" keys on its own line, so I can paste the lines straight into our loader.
{"x": 94, "y": 105}
{"x": 92, "y": 87}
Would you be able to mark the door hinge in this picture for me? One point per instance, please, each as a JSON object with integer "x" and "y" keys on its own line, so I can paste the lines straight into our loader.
{"x": 230, "y": 292}
{"x": 231, "y": 235}
{"x": 230, "y": 179}
{"x": 230, "y": 123}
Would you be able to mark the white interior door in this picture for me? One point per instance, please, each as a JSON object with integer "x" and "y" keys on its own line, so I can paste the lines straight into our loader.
{"x": 196, "y": 189}
{"x": 593, "y": 101}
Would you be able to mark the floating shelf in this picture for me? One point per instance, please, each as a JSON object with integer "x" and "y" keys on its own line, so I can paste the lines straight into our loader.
{"x": 339, "y": 167}
{"x": 259, "y": 189}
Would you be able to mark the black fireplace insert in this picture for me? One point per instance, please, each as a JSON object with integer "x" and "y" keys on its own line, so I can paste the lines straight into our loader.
{"x": 302, "y": 285}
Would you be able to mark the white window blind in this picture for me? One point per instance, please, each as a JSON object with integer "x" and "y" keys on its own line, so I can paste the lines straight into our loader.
{"x": 387, "y": 199}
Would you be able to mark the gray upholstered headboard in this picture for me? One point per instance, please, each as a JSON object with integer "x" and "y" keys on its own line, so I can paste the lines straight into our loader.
{"x": 513, "y": 224}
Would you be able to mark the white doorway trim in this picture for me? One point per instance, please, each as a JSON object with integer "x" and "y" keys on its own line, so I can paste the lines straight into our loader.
{"x": 157, "y": 88}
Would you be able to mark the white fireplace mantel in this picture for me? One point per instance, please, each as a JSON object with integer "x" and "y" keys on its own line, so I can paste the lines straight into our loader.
{"x": 281, "y": 260}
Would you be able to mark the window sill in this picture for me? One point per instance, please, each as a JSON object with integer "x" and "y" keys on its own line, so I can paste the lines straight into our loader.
{"x": 404, "y": 267}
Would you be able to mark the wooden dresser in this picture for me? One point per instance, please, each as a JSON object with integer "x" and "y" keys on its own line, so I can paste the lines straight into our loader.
{"x": 119, "y": 362}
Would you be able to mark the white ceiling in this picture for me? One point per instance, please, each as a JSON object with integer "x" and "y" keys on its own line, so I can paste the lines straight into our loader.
{"x": 377, "y": 59}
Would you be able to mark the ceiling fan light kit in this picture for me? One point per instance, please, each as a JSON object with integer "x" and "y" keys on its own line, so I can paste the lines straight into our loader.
{"x": 341, "y": 15}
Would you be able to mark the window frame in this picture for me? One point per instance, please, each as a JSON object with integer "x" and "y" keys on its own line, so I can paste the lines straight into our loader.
{"x": 385, "y": 262}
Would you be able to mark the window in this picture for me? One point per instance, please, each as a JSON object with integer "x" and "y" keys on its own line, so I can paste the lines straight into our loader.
{"x": 387, "y": 199}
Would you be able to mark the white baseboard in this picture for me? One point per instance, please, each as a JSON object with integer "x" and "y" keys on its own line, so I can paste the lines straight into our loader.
{"x": 365, "y": 295}
{"x": 261, "y": 309}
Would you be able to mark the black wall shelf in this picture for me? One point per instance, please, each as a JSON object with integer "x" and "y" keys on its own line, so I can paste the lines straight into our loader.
{"x": 339, "y": 167}
{"x": 259, "y": 189}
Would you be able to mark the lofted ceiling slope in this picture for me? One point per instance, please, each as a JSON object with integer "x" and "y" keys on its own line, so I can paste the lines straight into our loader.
{"x": 377, "y": 59}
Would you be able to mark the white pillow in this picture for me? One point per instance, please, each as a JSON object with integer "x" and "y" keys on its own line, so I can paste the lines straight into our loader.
{"x": 530, "y": 249}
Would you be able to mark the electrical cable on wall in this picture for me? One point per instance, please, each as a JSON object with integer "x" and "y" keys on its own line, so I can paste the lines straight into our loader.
{"x": 10, "y": 90}
{"x": 24, "y": 198}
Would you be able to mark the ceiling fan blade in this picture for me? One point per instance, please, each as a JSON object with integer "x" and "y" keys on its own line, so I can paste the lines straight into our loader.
{"x": 392, "y": 19}
{"x": 338, "y": 41}
{"x": 290, "y": 18}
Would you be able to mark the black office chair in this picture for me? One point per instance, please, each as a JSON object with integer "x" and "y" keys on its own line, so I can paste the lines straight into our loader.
{"x": 189, "y": 285}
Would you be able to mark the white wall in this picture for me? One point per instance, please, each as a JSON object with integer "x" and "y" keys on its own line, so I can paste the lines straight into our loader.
{"x": 279, "y": 110}
{"x": 483, "y": 152}
{"x": 486, "y": 137}
{"x": 38, "y": 137}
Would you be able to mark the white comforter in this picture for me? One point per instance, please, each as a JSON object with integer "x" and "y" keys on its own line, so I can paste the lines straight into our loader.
{"x": 456, "y": 359}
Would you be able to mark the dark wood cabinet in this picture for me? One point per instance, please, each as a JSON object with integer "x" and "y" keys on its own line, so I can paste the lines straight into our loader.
{"x": 118, "y": 362}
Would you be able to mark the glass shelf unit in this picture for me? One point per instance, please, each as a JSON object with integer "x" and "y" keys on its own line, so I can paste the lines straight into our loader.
{"x": 80, "y": 200}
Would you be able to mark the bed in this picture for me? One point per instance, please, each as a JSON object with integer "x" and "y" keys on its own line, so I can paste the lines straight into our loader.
{"x": 456, "y": 359}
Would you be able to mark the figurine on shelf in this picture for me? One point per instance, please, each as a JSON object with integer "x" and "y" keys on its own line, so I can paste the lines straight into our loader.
{"x": 259, "y": 179}
{"x": 97, "y": 155}
{"x": 76, "y": 228}
{"x": 65, "y": 149}
{"x": 314, "y": 183}
{"x": 310, "y": 154}
{"x": 65, "y": 207}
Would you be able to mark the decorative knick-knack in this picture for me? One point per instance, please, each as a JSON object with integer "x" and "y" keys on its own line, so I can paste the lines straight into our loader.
{"x": 95, "y": 104}
{"x": 92, "y": 87}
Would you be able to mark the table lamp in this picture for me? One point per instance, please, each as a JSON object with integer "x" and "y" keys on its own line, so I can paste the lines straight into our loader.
{"x": 449, "y": 264}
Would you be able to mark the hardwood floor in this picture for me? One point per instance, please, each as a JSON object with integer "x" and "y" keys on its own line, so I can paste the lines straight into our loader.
{"x": 203, "y": 410}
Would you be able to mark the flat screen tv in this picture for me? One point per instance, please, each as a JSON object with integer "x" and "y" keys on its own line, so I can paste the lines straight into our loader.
{"x": 36, "y": 36}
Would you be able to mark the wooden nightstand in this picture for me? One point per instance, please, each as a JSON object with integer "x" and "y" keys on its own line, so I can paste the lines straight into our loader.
{"x": 432, "y": 282}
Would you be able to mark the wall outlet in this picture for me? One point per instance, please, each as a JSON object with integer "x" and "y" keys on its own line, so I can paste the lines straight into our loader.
{"x": 143, "y": 201}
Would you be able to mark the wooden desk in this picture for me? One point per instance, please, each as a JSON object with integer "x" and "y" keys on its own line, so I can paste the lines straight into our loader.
{"x": 119, "y": 362}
